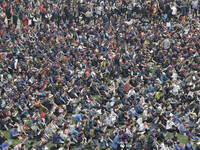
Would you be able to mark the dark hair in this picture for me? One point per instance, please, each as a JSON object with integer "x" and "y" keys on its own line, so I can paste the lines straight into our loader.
{"x": 120, "y": 132}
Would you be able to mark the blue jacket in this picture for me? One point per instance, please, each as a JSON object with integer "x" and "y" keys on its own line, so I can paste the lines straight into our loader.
{"x": 13, "y": 132}
{"x": 163, "y": 78}
{"x": 116, "y": 142}
{"x": 3, "y": 145}
{"x": 56, "y": 138}
{"x": 78, "y": 118}
{"x": 138, "y": 109}
{"x": 176, "y": 148}
{"x": 189, "y": 146}
{"x": 149, "y": 89}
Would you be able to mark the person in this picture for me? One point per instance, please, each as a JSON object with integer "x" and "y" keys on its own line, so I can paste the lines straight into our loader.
{"x": 170, "y": 126}
{"x": 182, "y": 128}
{"x": 4, "y": 145}
{"x": 56, "y": 138}
{"x": 178, "y": 146}
{"x": 117, "y": 141}
{"x": 166, "y": 43}
{"x": 194, "y": 7}
{"x": 198, "y": 147}
{"x": 2, "y": 138}
{"x": 139, "y": 108}
{"x": 61, "y": 60}
{"x": 150, "y": 141}
{"x": 183, "y": 8}
{"x": 14, "y": 133}
{"x": 189, "y": 145}
{"x": 174, "y": 11}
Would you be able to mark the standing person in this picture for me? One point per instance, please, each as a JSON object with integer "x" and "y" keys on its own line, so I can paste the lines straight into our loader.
{"x": 31, "y": 17}
{"x": 188, "y": 4}
{"x": 174, "y": 11}
{"x": 8, "y": 12}
{"x": 36, "y": 20}
{"x": 194, "y": 8}
{"x": 183, "y": 8}
{"x": 161, "y": 6}
{"x": 154, "y": 10}
{"x": 15, "y": 18}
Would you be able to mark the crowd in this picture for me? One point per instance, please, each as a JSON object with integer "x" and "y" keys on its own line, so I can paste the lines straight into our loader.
{"x": 100, "y": 74}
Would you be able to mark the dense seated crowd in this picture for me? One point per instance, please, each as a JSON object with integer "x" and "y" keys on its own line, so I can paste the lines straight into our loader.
{"x": 99, "y": 74}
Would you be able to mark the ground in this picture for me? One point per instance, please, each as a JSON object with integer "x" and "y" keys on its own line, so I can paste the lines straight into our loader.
{"x": 181, "y": 138}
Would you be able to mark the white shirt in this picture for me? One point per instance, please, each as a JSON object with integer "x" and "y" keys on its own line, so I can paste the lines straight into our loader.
{"x": 63, "y": 134}
{"x": 169, "y": 124}
{"x": 176, "y": 88}
{"x": 163, "y": 147}
{"x": 20, "y": 128}
{"x": 174, "y": 10}
{"x": 131, "y": 92}
{"x": 130, "y": 134}
{"x": 46, "y": 148}
{"x": 174, "y": 76}
{"x": 145, "y": 113}
{"x": 195, "y": 4}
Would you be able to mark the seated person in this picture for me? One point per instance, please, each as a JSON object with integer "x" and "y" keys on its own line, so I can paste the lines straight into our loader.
{"x": 4, "y": 144}
{"x": 14, "y": 133}
{"x": 2, "y": 138}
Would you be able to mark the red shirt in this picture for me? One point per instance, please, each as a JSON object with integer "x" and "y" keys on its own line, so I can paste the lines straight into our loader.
{"x": 41, "y": 8}
{"x": 25, "y": 127}
{"x": 25, "y": 21}
{"x": 4, "y": 5}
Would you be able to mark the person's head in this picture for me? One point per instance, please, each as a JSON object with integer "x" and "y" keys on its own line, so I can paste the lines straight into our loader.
{"x": 175, "y": 134}
{"x": 82, "y": 135}
{"x": 70, "y": 135}
{"x": 190, "y": 141}
{"x": 54, "y": 121}
{"x": 96, "y": 147}
{"x": 32, "y": 144}
{"x": 5, "y": 141}
{"x": 23, "y": 147}
{"x": 15, "y": 127}
{"x": 120, "y": 134}
{"x": 178, "y": 143}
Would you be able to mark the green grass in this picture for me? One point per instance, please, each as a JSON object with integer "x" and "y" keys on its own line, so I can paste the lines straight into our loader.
{"x": 7, "y": 135}
{"x": 183, "y": 139}
{"x": 16, "y": 141}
